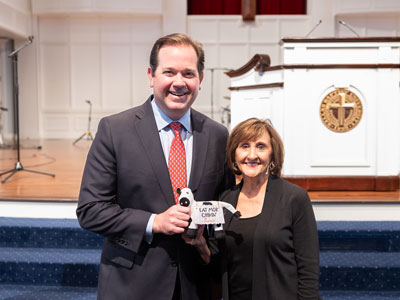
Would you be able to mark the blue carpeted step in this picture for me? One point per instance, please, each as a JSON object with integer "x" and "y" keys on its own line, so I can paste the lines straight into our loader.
{"x": 34, "y": 292}
{"x": 48, "y": 233}
{"x": 41, "y": 266}
{"x": 359, "y": 236}
{"x": 360, "y": 295}
{"x": 368, "y": 271}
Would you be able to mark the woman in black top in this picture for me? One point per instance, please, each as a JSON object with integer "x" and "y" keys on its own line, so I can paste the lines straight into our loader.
{"x": 271, "y": 252}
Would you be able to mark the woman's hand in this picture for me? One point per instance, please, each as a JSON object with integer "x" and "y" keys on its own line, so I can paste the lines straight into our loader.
{"x": 199, "y": 242}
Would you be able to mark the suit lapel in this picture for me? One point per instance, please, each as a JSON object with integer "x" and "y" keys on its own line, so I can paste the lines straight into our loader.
{"x": 200, "y": 146}
{"x": 146, "y": 129}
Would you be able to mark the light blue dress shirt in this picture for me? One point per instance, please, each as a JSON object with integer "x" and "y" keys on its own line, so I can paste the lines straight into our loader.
{"x": 166, "y": 137}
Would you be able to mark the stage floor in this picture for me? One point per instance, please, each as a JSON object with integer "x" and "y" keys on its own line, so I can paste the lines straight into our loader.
{"x": 67, "y": 161}
{"x": 59, "y": 157}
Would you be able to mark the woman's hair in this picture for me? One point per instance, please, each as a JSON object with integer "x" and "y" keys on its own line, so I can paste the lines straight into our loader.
{"x": 250, "y": 130}
{"x": 174, "y": 40}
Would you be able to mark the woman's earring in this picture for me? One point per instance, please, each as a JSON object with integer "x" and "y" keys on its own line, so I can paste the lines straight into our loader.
{"x": 271, "y": 165}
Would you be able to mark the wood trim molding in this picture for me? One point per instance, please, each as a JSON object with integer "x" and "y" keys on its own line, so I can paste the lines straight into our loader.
{"x": 256, "y": 86}
{"x": 347, "y": 183}
{"x": 340, "y": 66}
{"x": 334, "y": 66}
{"x": 259, "y": 62}
{"x": 383, "y": 39}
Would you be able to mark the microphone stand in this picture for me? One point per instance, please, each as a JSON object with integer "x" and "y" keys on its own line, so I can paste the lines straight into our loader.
{"x": 18, "y": 166}
{"x": 1, "y": 127}
{"x": 348, "y": 27}
{"x": 87, "y": 133}
{"x": 212, "y": 87}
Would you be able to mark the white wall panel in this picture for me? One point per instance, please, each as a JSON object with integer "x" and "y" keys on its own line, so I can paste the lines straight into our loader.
{"x": 353, "y": 5}
{"x": 54, "y": 30}
{"x": 146, "y": 30}
{"x": 85, "y": 75}
{"x": 140, "y": 81}
{"x": 41, "y": 7}
{"x": 392, "y": 4}
{"x": 116, "y": 76}
{"x": 116, "y": 30}
{"x": 15, "y": 19}
{"x": 99, "y": 58}
{"x": 294, "y": 27}
{"x": 211, "y": 55}
{"x": 204, "y": 29}
{"x": 84, "y": 30}
{"x": 74, "y": 4}
{"x": 265, "y": 31}
{"x": 56, "y": 123}
{"x": 382, "y": 26}
{"x": 233, "y": 31}
{"x": 55, "y": 76}
{"x": 231, "y": 55}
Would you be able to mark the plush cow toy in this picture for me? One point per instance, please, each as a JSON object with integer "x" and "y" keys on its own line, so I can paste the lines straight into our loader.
{"x": 205, "y": 212}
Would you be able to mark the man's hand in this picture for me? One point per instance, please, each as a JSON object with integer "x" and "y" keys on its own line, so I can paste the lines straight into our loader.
{"x": 174, "y": 220}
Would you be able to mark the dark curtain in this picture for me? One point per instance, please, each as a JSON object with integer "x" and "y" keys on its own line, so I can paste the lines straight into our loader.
{"x": 281, "y": 7}
{"x": 233, "y": 7}
{"x": 214, "y": 7}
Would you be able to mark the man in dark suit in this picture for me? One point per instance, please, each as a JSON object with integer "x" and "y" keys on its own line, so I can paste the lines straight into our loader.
{"x": 127, "y": 194}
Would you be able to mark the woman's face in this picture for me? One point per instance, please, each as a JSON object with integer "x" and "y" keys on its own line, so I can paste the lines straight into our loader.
{"x": 253, "y": 157}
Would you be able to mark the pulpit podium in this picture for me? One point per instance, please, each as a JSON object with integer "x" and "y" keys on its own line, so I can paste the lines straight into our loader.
{"x": 336, "y": 104}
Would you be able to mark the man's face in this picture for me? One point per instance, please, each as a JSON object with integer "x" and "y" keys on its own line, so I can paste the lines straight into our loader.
{"x": 176, "y": 81}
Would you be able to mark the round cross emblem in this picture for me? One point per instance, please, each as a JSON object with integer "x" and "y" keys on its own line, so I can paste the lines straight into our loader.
{"x": 341, "y": 110}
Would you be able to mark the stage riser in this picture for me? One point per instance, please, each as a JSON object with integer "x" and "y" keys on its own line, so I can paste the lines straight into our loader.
{"x": 365, "y": 279}
{"x": 360, "y": 279}
{"x": 360, "y": 295}
{"x": 73, "y": 275}
{"x": 345, "y": 241}
{"x": 354, "y": 256}
{"x": 49, "y": 238}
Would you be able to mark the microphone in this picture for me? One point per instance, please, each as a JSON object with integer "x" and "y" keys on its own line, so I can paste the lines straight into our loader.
{"x": 30, "y": 39}
{"x": 315, "y": 27}
{"x": 348, "y": 27}
{"x": 88, "y": 102}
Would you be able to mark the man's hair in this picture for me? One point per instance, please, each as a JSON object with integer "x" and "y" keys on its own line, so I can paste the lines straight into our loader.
{"x": 174, "y": 40}
{"x": 250, "y": 130}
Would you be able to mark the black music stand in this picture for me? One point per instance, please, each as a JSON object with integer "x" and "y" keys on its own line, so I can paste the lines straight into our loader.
{"x": 18, "y": 165}
{"x": 87, "y": 133}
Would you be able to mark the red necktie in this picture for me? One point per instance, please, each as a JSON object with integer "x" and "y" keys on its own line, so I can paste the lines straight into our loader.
{"x": 177, "y": 161}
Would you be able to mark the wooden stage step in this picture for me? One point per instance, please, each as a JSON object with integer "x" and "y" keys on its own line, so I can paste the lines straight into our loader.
{"x": 66, "y": 161}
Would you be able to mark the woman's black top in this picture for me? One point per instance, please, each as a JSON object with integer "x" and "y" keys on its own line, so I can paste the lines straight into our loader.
{"x": 239, "y": 242}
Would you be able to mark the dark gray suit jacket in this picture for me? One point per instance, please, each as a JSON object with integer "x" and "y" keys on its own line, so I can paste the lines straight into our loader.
{"x": 125, "y": 180}
{"x": 285, "y": 247}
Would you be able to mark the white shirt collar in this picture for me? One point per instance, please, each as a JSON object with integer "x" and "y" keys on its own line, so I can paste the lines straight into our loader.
{"x": 162, "y": 120}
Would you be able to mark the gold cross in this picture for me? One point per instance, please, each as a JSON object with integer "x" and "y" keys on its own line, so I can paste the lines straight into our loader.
{"x": 341, "y": 108}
